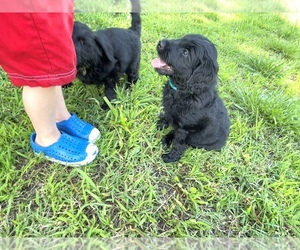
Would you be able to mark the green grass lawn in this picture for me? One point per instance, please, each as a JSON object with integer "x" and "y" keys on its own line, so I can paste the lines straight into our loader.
{"x": 249, "y": 189}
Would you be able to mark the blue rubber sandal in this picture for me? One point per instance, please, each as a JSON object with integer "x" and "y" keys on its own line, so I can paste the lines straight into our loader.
{"x": 79, "y": 128}
{"x": 68, "y": 150}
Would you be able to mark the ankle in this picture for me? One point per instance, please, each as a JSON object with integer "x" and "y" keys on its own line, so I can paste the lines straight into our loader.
{"x": 45, "y": 140}
{"x": 62, "y": 117}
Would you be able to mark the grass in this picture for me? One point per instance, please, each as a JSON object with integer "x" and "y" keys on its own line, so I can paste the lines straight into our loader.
{"x": 249, "y": 189}
{"x": 190, "y": 6}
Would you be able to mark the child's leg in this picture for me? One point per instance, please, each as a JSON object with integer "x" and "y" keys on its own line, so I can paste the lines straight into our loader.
{"x": 62, "y": 112}
{"x": 40, "y": 105}
{"x": 45, "y": 107}
{"x": 32, "y": 58}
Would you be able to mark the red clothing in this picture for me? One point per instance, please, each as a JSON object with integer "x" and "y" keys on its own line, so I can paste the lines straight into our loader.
{"x": 36, "y": 49}
{"x": 41, "y": 6}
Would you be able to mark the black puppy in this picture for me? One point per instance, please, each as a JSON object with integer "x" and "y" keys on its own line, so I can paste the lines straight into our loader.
{"x": 190, "y": 100}
{"x": 105, "y": 55}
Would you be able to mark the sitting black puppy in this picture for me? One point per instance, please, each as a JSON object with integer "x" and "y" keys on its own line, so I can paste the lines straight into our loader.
{"x": 190, "y": 100}
{"x": 105, "y": 55}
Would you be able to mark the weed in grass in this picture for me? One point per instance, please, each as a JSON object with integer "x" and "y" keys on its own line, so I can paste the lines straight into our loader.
{"x": 276, "y": 108}
{"x": 282, "y": 48}
{"x": 271, "y": 67}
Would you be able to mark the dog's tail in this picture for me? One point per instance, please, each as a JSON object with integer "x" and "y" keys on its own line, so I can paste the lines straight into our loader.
{"x": 136, "y": 23}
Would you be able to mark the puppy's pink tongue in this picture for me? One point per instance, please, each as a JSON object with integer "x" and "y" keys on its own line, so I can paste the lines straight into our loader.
{"x": 158, "y": 63}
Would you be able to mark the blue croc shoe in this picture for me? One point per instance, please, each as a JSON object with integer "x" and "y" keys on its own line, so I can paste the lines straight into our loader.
{"x": 68, "y": 150}
{"x": 79, "y": 128}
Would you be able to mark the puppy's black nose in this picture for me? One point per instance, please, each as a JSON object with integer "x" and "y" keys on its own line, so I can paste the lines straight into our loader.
{"x": 161, "y": 45}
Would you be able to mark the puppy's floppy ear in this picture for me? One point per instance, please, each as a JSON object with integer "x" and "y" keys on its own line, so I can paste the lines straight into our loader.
{"x": 106, "y": 48}
{"x": 210, "y": 56}
{"x": 206, "y": 67}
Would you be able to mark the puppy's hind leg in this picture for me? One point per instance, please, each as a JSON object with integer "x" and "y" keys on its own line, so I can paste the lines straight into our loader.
{"x": 133, "y": 74}
{"x": 133, "y": 77}
{"x": 110, "y": 93}
{"x": 209, "y": 139}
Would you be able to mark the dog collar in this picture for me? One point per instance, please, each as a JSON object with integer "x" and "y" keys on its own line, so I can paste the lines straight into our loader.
{"x": 171, "y": 84}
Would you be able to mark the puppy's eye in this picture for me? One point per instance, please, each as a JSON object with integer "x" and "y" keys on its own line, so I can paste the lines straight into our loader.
{"x": 185, "y": 52}
{"x": 81, "y": 41}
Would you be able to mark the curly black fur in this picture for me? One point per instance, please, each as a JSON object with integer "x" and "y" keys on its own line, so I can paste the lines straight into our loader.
{"x": 105, "y": 55}
{"x": 191, "y": 104}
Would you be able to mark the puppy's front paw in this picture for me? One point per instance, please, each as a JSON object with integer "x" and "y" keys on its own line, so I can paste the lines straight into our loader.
{"x": 168, "y": 139}
{"x": 162, "y": 123}
{"x": 167, "y": 158}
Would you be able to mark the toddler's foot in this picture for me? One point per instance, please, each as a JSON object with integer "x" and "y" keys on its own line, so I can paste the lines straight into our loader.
{"x": 79, "y": 128}
{"x": 68, "y": 150}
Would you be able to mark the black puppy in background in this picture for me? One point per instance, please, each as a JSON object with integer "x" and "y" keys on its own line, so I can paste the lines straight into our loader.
{"x": 105, "y": 55}
{"x": 190, "y": 100}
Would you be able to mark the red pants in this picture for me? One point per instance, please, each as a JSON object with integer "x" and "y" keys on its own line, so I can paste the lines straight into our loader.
{"x": 36, "y": 49}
